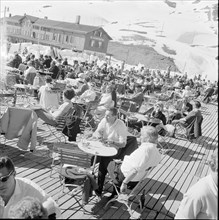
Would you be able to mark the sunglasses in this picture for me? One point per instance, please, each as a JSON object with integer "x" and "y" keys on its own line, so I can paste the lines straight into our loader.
{"x": 5, "y": 178}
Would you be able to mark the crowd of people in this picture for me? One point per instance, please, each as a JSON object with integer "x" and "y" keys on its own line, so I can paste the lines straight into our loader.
{"x": 116, "y": 91}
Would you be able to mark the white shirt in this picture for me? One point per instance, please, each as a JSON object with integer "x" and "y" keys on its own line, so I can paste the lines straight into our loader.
{"x": 116, "y": 132}
{"x": 88, "y": 95}
{"x": 25, "y": 187}
{"x": 200, "y": 201}
{"x": 186, "y": 93}
{"x": 145, "y": 156}
{"x": 31, "y": 69}
{"x": 48, "y": 98}
{"x": 106, "y": 100}
{"x": 62, "y": 110}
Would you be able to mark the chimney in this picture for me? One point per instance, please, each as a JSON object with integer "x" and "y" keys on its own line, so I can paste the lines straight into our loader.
{"x": 24, "y": 14}
{"x": 45, "y": 17}
{"x": 9, "y": 15}
{"x": 78, "y": 17}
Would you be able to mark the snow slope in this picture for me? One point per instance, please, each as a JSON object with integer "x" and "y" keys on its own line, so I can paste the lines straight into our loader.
{"x": 185, "y": 30}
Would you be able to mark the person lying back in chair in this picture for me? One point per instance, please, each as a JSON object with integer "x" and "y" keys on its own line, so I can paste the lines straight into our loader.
{"x": 50, "y": 117}
{"x": 132, "y": 169}
{"x": 193, "y": 120}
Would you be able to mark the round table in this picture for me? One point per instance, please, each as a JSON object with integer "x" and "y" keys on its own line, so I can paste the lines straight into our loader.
{"x": 97, "y": 148}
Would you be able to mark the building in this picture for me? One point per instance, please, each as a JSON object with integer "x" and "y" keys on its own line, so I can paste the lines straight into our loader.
{"x": 63, "y": 35}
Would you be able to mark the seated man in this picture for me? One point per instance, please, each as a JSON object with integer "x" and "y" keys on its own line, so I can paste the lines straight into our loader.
{"x": 13, "y": 189}
{"x": 193, "y": 118}
{"x": 84, "y": 87}
{"x": 137, "y": 98}
{"x": 133, "y": 168}
{"x": 51, "y": 117}
{"x": 114, "y": 131}
{"x": 208, "y": 93}
{"x": 200, "y": 201}
{"x": 54, "y": 69}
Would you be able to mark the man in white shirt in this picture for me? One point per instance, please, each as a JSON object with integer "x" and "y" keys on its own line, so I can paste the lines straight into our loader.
{"x": 134, "y": 166}
{"x": 201, "y": 200}
{"x": 13, "y": 189}
{"x": 113, "y": 131}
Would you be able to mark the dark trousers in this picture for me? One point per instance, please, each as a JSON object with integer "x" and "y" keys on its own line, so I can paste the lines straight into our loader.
{"x": 102, "y": 171}
{"x": 114, "y": 170}
{"x": 131, "y": 146}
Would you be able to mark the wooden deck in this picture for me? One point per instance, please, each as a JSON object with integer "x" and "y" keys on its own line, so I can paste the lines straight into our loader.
{"x": 182, "y": 166}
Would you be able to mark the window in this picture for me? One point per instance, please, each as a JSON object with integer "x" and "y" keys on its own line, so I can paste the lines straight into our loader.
{"x": 100, "y": 44}
{"x": 60, "y": 37}
{"x": 96, "y": 33}
{"x": 36, "y": 27}
{"x": 92, "y": 43}
{"x": 54, "y": 37}
{"x": 46, "y": 37}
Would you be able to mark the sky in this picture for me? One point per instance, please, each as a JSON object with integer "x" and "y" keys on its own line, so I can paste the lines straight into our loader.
{"x": 183, "y": 26}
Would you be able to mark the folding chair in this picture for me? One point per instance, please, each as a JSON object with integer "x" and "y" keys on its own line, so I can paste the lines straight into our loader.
{"x": 74, "y": 113}
{"x": 124, "y": 198}
{"x": 189, "y": 131}
{"x": 73, "y": 167}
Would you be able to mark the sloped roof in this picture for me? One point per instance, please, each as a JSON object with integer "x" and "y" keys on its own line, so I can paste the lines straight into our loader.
{"x": 31, "y": 18}
{"x": 65, "y": 26}
{"x": 15, "y": 18}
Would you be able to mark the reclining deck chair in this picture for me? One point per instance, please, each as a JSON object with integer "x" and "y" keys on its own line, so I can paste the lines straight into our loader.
{"x": 191, "y": 129}
{"x": 69, "y": 125}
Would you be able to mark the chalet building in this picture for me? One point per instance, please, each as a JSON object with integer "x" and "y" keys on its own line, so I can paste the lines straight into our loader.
{"x": 63, "y": 35}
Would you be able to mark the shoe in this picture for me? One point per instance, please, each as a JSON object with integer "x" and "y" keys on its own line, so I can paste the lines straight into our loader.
{"x": 98, "y": 193}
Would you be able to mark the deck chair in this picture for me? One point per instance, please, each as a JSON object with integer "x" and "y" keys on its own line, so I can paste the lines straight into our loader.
{"x": 73, "y": 168}
{"x": 124, "y": 198}
{"x": 191, "y": 129}
{"x": 65, "y": 125}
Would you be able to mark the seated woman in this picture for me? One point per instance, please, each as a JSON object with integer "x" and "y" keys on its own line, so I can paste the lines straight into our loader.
{"x": 105, "y": 103}
{"x": 158, "y": 113}
{"x": 30, "y": 73}
{"x": 114, "y": 131}
{"x": 48, "y": 98}
{"x": 134, "y": 166}
{"x": 51, "y": 117}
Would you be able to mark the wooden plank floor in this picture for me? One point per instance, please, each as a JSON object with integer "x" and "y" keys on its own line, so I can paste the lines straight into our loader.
{"x": 181, "y": 166}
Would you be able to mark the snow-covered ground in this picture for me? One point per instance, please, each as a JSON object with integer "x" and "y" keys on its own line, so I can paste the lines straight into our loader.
{"x": 188, "y": 31}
